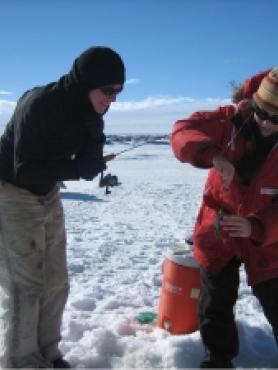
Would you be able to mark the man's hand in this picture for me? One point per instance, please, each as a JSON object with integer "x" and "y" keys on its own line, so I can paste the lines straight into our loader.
{"x": 88, "y": 166}
{"x": 225, "y": 169}
{"x": 237, "y": 226}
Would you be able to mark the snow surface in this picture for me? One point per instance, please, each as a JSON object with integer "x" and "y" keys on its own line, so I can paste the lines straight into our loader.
{"x": 116, "y": 246}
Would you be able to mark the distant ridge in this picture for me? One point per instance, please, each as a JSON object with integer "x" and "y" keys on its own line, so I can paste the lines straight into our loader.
{"x": 137, "y": 139}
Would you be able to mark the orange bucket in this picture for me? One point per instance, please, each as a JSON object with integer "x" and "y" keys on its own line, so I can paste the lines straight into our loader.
{"x": 178, "y": 304}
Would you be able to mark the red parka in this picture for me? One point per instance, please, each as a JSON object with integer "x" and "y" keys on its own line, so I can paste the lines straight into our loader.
{"x": 196, "y": 140}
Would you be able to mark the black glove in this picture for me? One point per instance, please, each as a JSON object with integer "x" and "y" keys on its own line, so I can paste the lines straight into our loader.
{"x": 89, "y": 166}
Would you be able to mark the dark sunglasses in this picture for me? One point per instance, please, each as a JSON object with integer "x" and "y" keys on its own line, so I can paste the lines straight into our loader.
{"x": 264, "y": 116}
{"x": 110, "y": 91}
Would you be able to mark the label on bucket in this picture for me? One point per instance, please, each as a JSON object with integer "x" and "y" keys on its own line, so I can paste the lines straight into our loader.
{"x": 167, "y": 325}
{"x": 195, "y": 292}
{"x": 173, "y": 288}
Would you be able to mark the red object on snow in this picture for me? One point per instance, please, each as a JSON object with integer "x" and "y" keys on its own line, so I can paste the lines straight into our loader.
{"x": 180, "y": 292}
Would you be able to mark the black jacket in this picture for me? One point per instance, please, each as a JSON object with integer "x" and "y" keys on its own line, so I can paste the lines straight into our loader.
{"x": 51, "y": 126}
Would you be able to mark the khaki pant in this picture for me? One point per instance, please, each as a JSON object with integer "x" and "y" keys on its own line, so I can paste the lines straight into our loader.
{"x": 33, "y": 277}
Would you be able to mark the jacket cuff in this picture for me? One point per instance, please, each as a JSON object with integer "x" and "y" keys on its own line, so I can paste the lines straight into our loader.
{"x": 206, "y": 155}
{"x": 258, "y": 231}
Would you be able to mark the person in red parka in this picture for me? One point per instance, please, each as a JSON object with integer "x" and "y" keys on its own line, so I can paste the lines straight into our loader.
{"x": 237, "y": 220}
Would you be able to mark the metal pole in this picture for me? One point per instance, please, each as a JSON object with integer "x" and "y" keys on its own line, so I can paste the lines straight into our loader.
{"x": 111, "y": 156}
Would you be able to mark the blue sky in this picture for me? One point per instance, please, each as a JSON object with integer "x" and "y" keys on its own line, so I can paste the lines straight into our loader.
{"x": 172, "y": 49}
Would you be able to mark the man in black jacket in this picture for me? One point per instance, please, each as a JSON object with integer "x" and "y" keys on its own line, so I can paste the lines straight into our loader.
{"x": 55, "y": 134}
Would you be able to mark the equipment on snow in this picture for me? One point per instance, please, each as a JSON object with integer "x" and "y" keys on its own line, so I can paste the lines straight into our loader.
{"x": 112, "y": 180}
{"x": 146, "y": 317}
{"x": 107, "y": 181}
{"x": 189, "y": 239}
{"x": 178, "y": 304}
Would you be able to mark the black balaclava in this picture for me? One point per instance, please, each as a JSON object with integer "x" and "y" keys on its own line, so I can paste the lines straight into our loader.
{"x": 95, "y": 67}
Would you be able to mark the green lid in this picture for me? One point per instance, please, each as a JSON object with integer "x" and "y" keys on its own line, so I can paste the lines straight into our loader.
{"x": 146, "y": 317}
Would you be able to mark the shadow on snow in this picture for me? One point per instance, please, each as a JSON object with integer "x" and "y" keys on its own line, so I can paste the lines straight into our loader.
{"x": 80, "y": 196}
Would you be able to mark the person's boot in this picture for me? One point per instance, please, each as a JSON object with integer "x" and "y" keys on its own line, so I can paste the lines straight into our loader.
{"x": 60, "y": 363}
{"x": 216, "y": 361}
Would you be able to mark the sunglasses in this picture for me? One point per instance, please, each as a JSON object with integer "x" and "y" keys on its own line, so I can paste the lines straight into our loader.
{"x": 264, "y": 116}
{"x": 110, "y": 91}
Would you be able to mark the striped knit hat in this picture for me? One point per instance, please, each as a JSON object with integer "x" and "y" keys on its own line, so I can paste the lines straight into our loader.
{"x": 266, "y": 97}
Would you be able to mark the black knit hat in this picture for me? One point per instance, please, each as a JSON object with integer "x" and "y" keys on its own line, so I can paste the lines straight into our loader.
{"x": 96, "y": 67}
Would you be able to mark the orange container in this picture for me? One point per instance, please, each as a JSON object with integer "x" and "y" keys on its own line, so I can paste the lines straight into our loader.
{"x": 180, "y": 292}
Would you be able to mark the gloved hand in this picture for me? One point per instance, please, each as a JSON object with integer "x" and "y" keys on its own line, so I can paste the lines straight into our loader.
{"x": 88, "y": 166}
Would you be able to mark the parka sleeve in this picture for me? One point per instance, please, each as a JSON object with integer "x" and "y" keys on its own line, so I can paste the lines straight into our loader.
{"x": 32, "y": 153}
{"x": 268, "y": 217}
{"x": 199, "y": 138}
